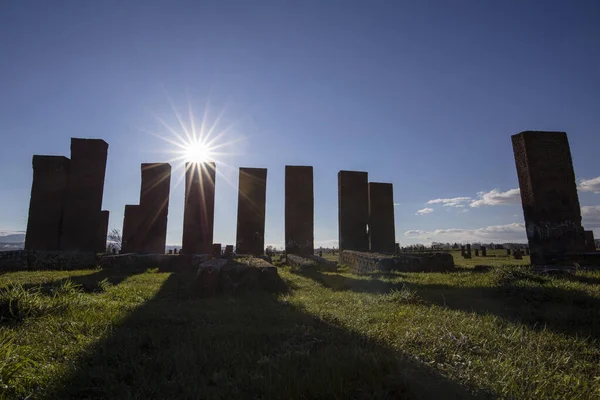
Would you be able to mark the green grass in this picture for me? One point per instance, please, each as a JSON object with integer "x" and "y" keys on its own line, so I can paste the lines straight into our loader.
{"x": 507, "y": 333}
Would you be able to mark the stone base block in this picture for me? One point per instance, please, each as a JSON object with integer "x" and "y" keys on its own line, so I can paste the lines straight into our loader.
{"x": 47, "y": 260}
{"x": 303, "y": 263}
{"x": 590, "y": 259}
{"x": 360, "y": 262}
{"x": 231, "y": 277}
{"x": 164, "y": 262}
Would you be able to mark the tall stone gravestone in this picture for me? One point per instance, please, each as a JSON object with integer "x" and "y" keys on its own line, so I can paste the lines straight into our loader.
{"x": 548, "y": 194}
{"x": 250, "y": 236}
{"x": 47, "y": 202}
{"x": 299, "y": 210}
{"x": 154, "y": 207}
{"x": 382, "y": 234}
{"x": 82, "y": 219}
{"x": 590, "y": 242}
{"x": 199, "y": 211}
{"x": 353, "y": 210}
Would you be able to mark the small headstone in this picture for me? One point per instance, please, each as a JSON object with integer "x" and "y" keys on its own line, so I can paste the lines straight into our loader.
{"x": 175, "y": 251}
{"x": 476, "y": 253}
{"x": 483, "y": 251}
{"x": 527, "y": 251}
{"x": 320, "y": 253}
{"x": 170, "y": 251}
{"x": 508, "y": 252}
{"x": 216, "y": 250}
{"x": 469, "y": 250}
{"x": 462, "y": 251}
{"x": 228, "y": 250}
{"x": 517, "y": 255}
{"x": 114, "y": 250}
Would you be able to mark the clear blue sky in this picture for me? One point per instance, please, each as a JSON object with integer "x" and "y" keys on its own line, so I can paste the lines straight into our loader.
{"x": 423, "y": 94}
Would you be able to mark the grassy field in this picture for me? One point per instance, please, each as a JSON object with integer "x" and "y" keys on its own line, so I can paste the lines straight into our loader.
{"x": 506, "y": 333}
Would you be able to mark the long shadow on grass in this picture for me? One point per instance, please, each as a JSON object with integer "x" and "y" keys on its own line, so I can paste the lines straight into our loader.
{"x": 253, "y": 345}
{"x": 529, "y": 300}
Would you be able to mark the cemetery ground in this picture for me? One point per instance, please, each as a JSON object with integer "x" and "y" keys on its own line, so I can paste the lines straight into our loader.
{"x": 507, "y": 332}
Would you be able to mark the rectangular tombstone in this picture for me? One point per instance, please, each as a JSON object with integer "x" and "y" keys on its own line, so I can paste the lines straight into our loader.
{"x": 46, "y": 205}
{"x": 299, "y": 210}
{"x": 250, "y": 237}
{"x": 154, "y": 207}
{"x": 199, "y": 211}
{"x": 397, "y": 248}
{"x": 216, "y": 250}
{"x": 82, "y": 218}
{"x": 590, "y": 242}
{"x": 228, "y": 250}
{"x": 382, "y": 233}
{"x": 353, "y": 210}
{"x": 102, "y": 232}
{"x": 129, "y": 236}
{"x": 548, "y": 194}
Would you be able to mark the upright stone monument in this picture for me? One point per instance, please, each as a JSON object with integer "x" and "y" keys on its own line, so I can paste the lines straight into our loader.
{"x": 131, "y": 221}
{"x": 46, "y": 205}
{"x": 299, "y": 210}
{"x": 250, "y": 238}
{"x": 82, "y": 219}
{"x": 548, "y": 194}
{"x": 199, "y": 211}
{"x": 154, "y": 208}
{"x": 102, "y": 232}
{"x": 382, "y": 233}
{"x": 590, "y": 242}
{"x": 353, "y": 210}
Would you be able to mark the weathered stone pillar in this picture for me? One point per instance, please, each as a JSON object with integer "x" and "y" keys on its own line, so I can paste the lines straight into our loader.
{"x": 382, "y": 233}
{"x": 82, "y": 218}
{"x": 216, "y": 250}
{"x": 251, "y": 211}
{"x": 397, "y": 248}
{"x": 129, "y": 243}
{"x": 548, "y": 194}
{"x": 228, "y": 250}
{"x": 299, "y": 210}
{"x": 46, "y": 205}
{"x": 469, "y": 250}
{"x": 483, "y": 251}
{"x": 102, "y": 232}
{"x": 154, "y": 208}
{"x": 199, "y": 211}
{"x": 353, "y": 210}
{"x": 590, "y": 243}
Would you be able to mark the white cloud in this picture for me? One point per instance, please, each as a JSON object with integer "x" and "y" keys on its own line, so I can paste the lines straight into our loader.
{"x": 496, "y": 197}
{"x": 424, "y": 211}
{"x": 514, "y": 232}
{"x": 590, "y": 185}
{"x": 453, "y": 202}
{"x": 590, "y": 216}
{"x": 396, "y": 204}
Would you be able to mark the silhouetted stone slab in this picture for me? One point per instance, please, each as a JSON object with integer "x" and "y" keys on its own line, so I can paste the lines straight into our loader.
{"x": 199, "y": 212}
{"x": 46, "y": 205}
{"x": 228, "y": 250}
{"x": 548, "y": 194}
{"x": 131, "y": 222}
{"x": 590, "y": 243}
{"x": 250, "y": 237}
{"x": 102, "y": 232}
{"x": 154, "y": 207}
{"x": 82, "y": 218}
{"x": 361, "y": 262}
{"x": 216, "y": 250}
{"x": 353, "y": 210}
{"x": 382, "y": 234}
{"x": 232, "y": 277}
{"x": 299, "y": 210}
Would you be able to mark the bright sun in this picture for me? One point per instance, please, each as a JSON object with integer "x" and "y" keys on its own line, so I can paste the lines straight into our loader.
{"x": 198, "y": 152}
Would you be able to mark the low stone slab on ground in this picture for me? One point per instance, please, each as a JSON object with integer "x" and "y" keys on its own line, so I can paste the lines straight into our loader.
{"x": 20, "y": 260}
{"x": 361, "y": 262}
{"x": 303, "y": 263}
{"x": 230, "y": 276}
{"x": 164, "y": 262}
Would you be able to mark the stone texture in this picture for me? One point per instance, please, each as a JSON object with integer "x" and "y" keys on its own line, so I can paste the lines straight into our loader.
{"x": 46, "y": 205}
{"x": 353, "y": 210}
{"x": 361, "y": 262}
{"x": 154, "y": 207}
{"x": 83, "y": 201}
{"x": 299, "y": 210}
{"x": 164, "y": 262}
{"x": 199, "y": 212}
{"x": 129, "y": 244}
{"x": 590, "y": 243}
{"x": 309, "y": 263}
{"x": 47, "y": 260}
{"x": 102, "y": 232}
{"x": 517, "y": 255}
{"x": 382, "y": 233}
{"x": 250, "y": 237}
{"x": 548, "y": 194}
